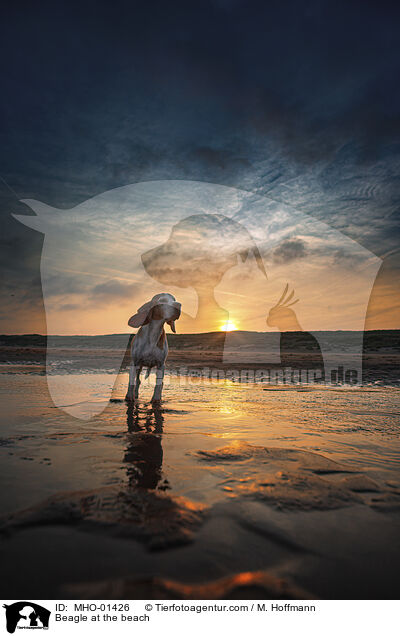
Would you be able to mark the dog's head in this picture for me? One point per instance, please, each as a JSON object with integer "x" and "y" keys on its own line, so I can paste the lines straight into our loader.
{"x": 161, "y": 307}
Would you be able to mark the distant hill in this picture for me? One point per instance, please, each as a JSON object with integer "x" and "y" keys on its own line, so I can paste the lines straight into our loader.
{"x": 374, "y": 341}
{"x": 238, "y": 349}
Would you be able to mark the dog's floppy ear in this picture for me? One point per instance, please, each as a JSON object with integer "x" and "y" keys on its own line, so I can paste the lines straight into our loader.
{"x": 141, "y": 317}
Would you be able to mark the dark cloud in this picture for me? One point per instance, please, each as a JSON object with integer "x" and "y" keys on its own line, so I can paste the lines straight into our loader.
{"x": 289, "y": 250}
{"x": 69, "y": 307}
{"x": 344, "y": 258}
{"x": 62, "y": 284}
{"x": 219, "y": 159}
{"x": 113, "y": 290}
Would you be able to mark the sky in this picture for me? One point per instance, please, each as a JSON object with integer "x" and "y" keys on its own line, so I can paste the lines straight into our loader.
{"x": 295, "y": 104}
{"x": 224, "y": 253}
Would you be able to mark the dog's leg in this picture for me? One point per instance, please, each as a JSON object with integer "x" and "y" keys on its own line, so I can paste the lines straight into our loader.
{"x": 131, "y": 388}
{"x": 159, "y": 385}
{"x": 137, "y": 385}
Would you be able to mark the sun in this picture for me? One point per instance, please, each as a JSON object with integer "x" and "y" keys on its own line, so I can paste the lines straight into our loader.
{"x": 228, "y": 326}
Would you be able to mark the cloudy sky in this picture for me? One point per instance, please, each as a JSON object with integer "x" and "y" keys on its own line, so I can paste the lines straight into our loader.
{"x": 295, "y": 102}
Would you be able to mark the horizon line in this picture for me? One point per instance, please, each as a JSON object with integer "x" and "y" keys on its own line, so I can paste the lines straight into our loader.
{"x": 197, "y": 333}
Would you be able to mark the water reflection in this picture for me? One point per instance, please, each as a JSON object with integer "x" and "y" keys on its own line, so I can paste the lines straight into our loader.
{"x": 144, "y": 452}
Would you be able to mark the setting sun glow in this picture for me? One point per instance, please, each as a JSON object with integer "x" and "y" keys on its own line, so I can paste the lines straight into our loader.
{"x": 229, "y": 326}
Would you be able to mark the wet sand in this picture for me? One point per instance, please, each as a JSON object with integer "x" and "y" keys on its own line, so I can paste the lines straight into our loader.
{"x": 226, "y": 491}
{"x": 377, "y": 353}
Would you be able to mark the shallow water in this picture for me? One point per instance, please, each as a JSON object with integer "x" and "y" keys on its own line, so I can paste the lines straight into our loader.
{"x": 44, "y": 450}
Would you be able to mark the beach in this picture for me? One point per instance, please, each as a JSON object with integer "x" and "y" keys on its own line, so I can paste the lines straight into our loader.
{"x": 227, "y": 490}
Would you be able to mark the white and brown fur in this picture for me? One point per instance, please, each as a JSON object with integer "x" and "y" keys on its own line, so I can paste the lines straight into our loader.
{"x": 149, "y": 347}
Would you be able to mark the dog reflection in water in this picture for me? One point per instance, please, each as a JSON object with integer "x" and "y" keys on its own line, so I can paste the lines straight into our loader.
{"x": 144, "y": 453}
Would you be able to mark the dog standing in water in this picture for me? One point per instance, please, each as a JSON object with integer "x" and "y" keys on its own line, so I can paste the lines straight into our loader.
{"x": 150, "y": 347}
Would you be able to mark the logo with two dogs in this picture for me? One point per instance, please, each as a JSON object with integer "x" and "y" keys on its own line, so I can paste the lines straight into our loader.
{"x": 26, "y": 615}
